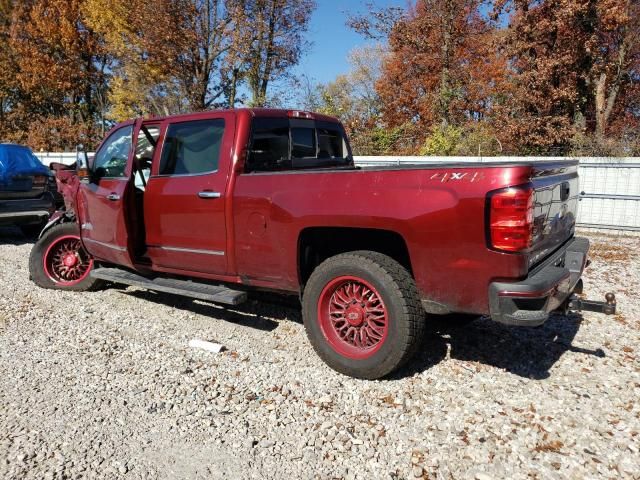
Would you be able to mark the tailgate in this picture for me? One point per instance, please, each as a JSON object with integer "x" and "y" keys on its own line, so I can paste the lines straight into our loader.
{"x": 556, "y": 199}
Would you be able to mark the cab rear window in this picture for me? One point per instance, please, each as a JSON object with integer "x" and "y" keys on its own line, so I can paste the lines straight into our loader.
{"x": 289, "y": 144}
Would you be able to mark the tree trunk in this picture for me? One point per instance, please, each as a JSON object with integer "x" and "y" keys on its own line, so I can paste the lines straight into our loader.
{"x": 601, "y": 89}
{"x": 445, "y": 74}
{"x": 233, "y": 88}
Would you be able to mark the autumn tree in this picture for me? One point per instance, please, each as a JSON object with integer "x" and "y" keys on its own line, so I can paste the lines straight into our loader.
{"x": 184, "y": 55}
{"x": 7, "y": 63}
{"x": 523, "y": 76}
{"x": 613, "y": 59}
{"x": 443, "y": 70}
{"x": 353, "y": 98}
{"x": 167, "y": 53}
{"x": 573, "y": 66}
{"x": 57, "y": 67}
{"x": 276, "y": 41}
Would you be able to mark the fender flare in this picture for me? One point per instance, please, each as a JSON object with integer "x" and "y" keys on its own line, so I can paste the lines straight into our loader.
{"x": 57, "y": 218}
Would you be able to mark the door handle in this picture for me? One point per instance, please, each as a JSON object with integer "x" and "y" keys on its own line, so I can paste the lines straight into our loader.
{"x": 209, "y": 194}
{"x": 114, "y": 197}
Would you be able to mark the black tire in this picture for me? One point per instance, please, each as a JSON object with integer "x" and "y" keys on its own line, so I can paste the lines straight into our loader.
{"x": 404, "y": 312}
{"x": 37, "y": 261}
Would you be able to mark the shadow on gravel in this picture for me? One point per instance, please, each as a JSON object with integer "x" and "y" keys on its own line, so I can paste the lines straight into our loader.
{"x": 14, "y": 236}
{"x": 526, "y": 352}
{"x": 259, "y": 315}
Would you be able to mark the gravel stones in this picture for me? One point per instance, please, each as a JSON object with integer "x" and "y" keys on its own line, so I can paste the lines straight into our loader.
{"x": 104, "y": 385}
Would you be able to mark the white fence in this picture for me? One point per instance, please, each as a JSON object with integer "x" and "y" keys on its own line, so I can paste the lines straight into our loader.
{"x": 611, "y": 186}
{"x": 50, "y": 157}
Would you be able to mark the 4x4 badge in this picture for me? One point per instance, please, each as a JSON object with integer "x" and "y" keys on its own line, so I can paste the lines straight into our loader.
{"x": 457, "y": 176}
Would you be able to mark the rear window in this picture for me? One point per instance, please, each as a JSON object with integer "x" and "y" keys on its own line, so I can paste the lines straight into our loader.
{"x": 303, "y": 143}
{"x": 192, "y": 148}
{"x": 286, "y": 144}
{"x": 270, "y": 144}
{"x": 330, "y": 143}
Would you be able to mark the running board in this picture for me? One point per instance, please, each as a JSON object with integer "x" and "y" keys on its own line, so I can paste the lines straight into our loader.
{"x": 185, "y": 288}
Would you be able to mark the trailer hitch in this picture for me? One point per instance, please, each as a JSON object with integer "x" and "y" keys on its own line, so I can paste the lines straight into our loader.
{"x": 608, "y": 307}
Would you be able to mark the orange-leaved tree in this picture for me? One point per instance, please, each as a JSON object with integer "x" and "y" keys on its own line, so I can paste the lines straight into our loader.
{"x": 573, "y": 70}
{"x": 443, "y": 69}
{"x": 57, "y": 66}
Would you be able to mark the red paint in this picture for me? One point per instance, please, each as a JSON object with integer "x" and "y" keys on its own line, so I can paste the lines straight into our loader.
{"x": 256, "y": 223}
{"x": 177, "y": 219}
{"x": 103, "y": 222}
{"x": 353, "y": 317}
{"x": 65, "y": 262}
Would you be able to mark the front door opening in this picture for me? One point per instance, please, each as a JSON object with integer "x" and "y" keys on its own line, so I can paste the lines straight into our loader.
{"x": 146, "y": 144}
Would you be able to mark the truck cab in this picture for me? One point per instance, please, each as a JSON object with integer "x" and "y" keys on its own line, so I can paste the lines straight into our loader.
{"x": 158, "y": 193}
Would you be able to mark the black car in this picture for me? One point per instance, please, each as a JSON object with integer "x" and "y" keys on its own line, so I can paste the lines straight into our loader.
{"x": 27, "y": 189}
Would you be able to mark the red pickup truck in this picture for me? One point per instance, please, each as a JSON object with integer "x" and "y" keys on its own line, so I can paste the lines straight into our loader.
{"x": 213, "y": 205}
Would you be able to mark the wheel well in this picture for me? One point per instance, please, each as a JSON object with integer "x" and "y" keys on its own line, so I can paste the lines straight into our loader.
{"x": 317, "y": 244}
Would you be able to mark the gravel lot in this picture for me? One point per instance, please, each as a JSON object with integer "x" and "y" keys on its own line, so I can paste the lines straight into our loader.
{"x": 103, "y": 385}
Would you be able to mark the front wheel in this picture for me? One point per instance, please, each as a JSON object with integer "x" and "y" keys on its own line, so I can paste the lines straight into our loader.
{"x": 362, "y": 314}
{"x": 58, "y": 260}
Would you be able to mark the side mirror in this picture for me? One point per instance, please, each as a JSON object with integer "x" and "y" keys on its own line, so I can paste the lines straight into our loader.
{"x": 82, "y": 164}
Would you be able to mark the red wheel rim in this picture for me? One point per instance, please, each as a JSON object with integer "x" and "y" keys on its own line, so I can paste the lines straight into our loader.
{"x": 66, "y": 263}
{"x": 353, "y": 317}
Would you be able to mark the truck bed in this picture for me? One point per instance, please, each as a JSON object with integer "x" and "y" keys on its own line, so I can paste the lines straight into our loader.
{"x": 546, "y": 164}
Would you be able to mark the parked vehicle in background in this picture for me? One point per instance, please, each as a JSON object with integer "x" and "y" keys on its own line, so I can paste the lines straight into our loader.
{"x": 27, "y": 189}
{"x": 216, "y": 204}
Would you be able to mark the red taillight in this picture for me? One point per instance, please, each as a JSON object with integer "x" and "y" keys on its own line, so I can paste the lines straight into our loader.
{"x": 511, "y": 219}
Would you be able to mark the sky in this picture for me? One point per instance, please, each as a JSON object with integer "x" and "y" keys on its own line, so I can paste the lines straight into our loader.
{"x": 332, "y": 39}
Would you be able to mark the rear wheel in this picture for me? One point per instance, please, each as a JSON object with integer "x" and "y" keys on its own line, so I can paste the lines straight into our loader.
{"x": 362, "y": 314}
{"x": 59, "y": 261}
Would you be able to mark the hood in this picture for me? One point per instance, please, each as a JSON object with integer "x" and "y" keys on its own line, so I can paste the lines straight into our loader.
{"x": 16, "y": 161}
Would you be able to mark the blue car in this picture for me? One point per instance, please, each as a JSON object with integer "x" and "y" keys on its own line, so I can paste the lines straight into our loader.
{"x": 27, "y": 189}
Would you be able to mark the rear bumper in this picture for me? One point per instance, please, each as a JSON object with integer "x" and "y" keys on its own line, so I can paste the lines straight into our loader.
{"x": 26, "y": 211}
{"x": 528, "y": 303}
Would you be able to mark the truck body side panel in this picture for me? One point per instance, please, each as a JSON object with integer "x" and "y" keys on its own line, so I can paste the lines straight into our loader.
{"x": 439, "y": 212}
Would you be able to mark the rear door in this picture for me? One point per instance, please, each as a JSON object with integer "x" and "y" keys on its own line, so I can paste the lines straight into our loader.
{"x": 185, "y": 197}
{"x": 105, "y": 199}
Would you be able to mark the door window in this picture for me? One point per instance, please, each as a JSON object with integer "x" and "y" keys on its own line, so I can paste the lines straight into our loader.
{"x": 192, "y": 148}
{"x": 111, "y": 160}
